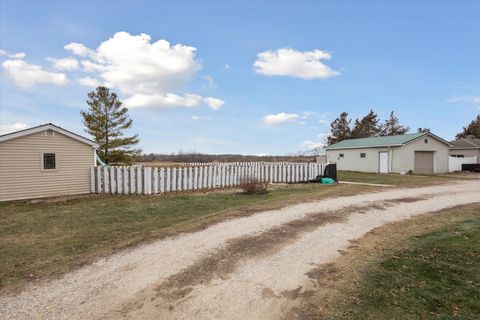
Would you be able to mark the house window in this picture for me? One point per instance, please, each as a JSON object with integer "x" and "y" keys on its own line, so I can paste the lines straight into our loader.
{"x": 49, "y": 133}
{"x": 49, "y": 161}
{"x": 363, "y": 155}
{"x": 341, "y": 155}
{"x": 426, "y": 140}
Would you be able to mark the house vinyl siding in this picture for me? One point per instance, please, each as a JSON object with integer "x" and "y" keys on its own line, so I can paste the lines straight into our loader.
{"x": 21, "y": 166}
{"x": 404, "y": 157}
{"x": 401, "y": 158}
{"x": 352, "y": 161}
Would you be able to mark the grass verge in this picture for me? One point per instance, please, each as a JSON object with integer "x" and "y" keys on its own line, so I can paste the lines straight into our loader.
{"x": 44, "y": 239}
{"x": 394, "y": 179}
{"x": 421, "y": 268}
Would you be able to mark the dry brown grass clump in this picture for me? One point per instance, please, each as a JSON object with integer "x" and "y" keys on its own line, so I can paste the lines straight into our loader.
{"x": 252, "y": 186}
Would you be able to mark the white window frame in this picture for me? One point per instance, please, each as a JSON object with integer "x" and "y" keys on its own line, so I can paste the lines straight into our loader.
{"x": 42, "y": 165}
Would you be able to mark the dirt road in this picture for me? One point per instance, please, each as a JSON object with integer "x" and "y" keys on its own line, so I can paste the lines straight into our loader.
{"x": 245, "y": 268}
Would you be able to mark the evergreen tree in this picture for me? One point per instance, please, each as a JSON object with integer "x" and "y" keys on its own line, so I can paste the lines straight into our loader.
{"x": 340, "y": 129}
{"x": 393, "y": 127}
{"x": 473, "y": 129}
{"x": 106, "y": 120}
{"x": 423, "y": 130}
{"x": 368, "y": 126}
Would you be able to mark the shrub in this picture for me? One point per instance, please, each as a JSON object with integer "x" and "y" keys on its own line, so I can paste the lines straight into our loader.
{"x": 253, "y": 186}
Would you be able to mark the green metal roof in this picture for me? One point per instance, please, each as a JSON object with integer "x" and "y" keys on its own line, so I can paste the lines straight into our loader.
{"x": 377, "y": 141}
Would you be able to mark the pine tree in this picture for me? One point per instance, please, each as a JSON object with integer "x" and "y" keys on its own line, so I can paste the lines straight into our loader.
{"x": 393, "y": 127}
{"x": 423, "y": 130}
{"x": 340, "y": 129}
{"x": 368, "y": 126}
{"x": 106, "y": 120}
{"x": 472, "y": 130}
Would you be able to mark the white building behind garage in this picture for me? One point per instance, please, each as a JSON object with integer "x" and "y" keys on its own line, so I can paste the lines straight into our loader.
{"x": 422, "y": 153}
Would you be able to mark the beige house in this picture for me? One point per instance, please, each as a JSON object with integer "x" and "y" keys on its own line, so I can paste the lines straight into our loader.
{"x": 466, "y": 148}
{"x": 45, "y": 161}
{"x": 423, "y": 153}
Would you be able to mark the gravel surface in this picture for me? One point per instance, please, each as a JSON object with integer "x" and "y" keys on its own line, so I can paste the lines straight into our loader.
{"x": 261, "y": 285}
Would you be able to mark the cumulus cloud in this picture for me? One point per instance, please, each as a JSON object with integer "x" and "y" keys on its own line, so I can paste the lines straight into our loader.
{"x": 64, "y": 64}
{"x": 88, "y": 82}
{"x": 78, "y": 49}
{"x": 149, "y": 73}
{"x": 293, "y": 63}
{"x": 7, "y": 128}
{"x": 280, "y": 118}
{"x": 28, "y": 75}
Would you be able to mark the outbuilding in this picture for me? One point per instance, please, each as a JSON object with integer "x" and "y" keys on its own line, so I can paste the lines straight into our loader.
{"x": 467, "y": 147}
{"x": 45, "y": 161}
{"x": 422, "y": 153}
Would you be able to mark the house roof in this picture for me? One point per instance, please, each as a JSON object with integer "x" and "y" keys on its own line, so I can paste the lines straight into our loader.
{"x": 466, "y": 143}
{"x": 47, "y": 126}
{"x": 387, "y": 141}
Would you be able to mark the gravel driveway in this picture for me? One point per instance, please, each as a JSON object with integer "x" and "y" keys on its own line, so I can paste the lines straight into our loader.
{"x": 244, "y": 268}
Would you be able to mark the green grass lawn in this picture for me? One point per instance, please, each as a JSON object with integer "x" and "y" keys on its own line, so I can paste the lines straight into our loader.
{"x": 434, "y": 273}
{"x": 392, "y": 179}
{"x": 44, "y": 239}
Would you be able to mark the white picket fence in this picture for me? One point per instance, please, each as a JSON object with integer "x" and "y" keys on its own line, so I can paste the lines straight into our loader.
{"x": 153, "y": 180}
{"x": 455, "y": 163}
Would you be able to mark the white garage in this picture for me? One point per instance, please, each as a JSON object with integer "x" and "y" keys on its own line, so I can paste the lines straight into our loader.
{"x": 421, "y": 153}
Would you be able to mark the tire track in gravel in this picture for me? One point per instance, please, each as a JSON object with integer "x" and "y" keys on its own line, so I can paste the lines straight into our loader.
{"x": 266, "y": 286}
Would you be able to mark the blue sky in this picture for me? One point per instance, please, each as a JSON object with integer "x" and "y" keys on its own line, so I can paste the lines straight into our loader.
{"x": 241, "y": 77}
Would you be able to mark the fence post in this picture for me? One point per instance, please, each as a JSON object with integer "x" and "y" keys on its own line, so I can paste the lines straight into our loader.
{"x": 155, "y": 180}
{"x": 106, "y": 181}
{"x": 99, "y": 180}
{"x": 139, "y": 180}
{"x": 125, "y": 180}
{"x": 146, "y": 176}
{"x": 174, "y": 179}
{"x": 119, "y": 180}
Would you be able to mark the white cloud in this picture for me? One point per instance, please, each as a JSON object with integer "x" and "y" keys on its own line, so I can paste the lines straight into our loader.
{"x": 28, "y": 75}
{"x": 64, "y": 64}
{"x": 196, "y": 118}
{"x": 214, "y": 103}
{"x": 280, "y": 118}
{"x": 293, "y": 63}
{"x": 18, "y": 55}
{"x": 465, "y": 99}
{"x": 169, "y": 100}
{"x": 78, "y": 49}
{"x": 226, "y": 67}
{"x": 149, "y": 73}
{"x": 323, "y": 121}
{"x": 7, "y": 128}
{"x": 88, "y": 82}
